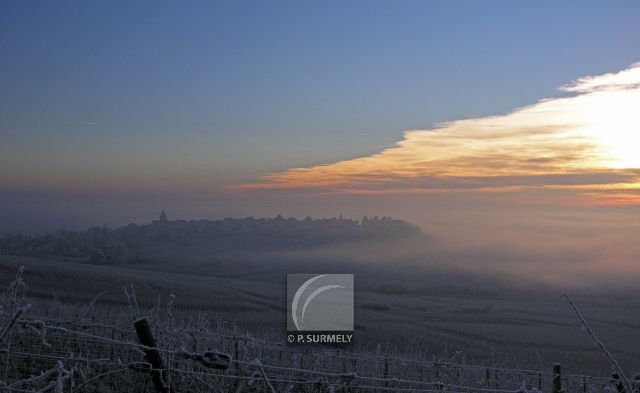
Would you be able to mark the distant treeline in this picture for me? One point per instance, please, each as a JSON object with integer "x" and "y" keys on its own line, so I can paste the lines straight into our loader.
{"x": 162, "y": 238}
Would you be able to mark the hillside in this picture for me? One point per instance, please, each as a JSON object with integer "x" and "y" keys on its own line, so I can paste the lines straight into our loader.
{"x": 163, "y": 240}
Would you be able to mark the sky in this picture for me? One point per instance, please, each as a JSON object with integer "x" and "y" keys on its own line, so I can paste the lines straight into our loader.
{"x": 587, "y": 142}
{"x": 505, "y": 129}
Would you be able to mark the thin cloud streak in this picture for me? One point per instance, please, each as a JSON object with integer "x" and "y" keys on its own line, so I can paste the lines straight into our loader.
{"x": 586, "y": 141}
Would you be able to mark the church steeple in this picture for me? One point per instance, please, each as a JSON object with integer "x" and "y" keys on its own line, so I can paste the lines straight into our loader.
{"x": 163, "y": 217}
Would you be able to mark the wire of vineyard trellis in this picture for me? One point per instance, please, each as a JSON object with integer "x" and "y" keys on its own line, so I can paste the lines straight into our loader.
{"x": 277, "y": 373}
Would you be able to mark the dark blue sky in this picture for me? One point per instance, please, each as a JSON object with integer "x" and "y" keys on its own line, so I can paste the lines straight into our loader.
{"x": 156, "y": 96}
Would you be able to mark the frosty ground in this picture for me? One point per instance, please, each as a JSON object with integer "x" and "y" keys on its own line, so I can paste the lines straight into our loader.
{"x": 523, "y": 330}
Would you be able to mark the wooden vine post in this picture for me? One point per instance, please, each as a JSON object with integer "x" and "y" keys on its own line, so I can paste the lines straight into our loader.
{"x": 146, "y": 338}
{"x": 556, "y": 382}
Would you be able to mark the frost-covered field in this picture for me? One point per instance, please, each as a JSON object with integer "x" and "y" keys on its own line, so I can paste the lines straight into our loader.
{"x": 522, "y": 332}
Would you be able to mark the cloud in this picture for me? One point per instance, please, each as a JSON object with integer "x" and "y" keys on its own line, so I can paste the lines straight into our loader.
{"x": 587, "y": 139}
{"x": 625, "y": 79}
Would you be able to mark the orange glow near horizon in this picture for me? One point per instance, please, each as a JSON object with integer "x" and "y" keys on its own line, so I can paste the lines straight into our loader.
{"x": 587, "y": 141}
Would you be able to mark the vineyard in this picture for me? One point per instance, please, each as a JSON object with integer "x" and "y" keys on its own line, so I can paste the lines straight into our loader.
{"x": 79, "y": 349}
